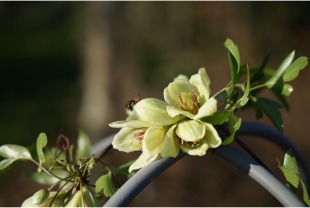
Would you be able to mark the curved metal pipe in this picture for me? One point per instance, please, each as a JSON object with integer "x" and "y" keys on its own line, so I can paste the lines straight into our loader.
{"x": 271, "y": 134}
{"x": 148, "y": 173}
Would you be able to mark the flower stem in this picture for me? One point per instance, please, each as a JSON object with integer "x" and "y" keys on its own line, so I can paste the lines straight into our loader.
{"x": 246, "y": 148}
{"x": 38, "y": 164}
{"x": 57, "y": 193}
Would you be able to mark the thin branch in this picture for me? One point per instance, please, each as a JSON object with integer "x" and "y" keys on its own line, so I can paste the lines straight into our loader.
{"x": 246, "y": 148}
{"x": 57, "y": 193}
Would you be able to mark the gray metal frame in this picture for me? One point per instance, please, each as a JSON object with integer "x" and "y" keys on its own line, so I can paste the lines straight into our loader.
{"x": 266, "y": 179}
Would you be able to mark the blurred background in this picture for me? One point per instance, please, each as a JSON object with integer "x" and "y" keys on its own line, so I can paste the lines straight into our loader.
{"x": 65, "y": 65}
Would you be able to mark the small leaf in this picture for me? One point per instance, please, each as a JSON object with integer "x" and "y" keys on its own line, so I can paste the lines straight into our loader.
{"x": 277, "y": 75}
{"x": 229, "y": 90}
{"x": 293, "y": 70}
{"x": 245, "y": 98}
{"x": 290, "y": 169}
{"x": 6, "y": 164}
{"x": 234, "y": 59}
{"x": 305, "y": 193}
{"x": 123, "y": 169}
{"x": 234, "y": 123}
{"x": 259, "y": 72}
{"x": 283, "y": 101}
{"x": 282, "y": 89}
{"x": 83, "y": 145}
{"x": 41, "y": 142}
{"x": 270, "y": 108}
{"x": 258, "y": 112}
{"x": 105, "y": 183}
{"x": 217, "y": 118}
{"x": 14, "y": 151}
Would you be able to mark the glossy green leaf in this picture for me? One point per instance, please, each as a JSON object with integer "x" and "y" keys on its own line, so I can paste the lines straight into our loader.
{"x": 83, "y": 145}
{"x": 234, "y": 59}
{"x": 305, "y": 193}
{"x": 14, "y": 151}
{"x": 290, "y": 169}
{"x": 234, "y": 123}
{"x": 282, "y": 89}
{"x": 259, "y": 72}
{"x": 293, "y": 70}
{"x": 270, "y": 108}
{"x": 244, "y": 99}
{"x": 41, "y": 142}
{"x": 105, "y": 182}
{"x": 278, "y": 74}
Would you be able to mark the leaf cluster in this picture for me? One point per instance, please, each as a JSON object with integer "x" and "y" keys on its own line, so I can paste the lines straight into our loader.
{"x": 244, "y": 94}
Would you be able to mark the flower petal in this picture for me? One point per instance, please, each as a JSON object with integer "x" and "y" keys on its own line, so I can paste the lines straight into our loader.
{"x": 191, "y": 130}
{"x": 132, "y": 115}
{"x": 170, "y": 147}
{"x": 202, "y": 88}
{"x": 205, "y": 78}
{"x": 124, "y": 140}
{"x": 182, "y": 77}
{"x": 173, "y": 111}
{"x": 208, "y": 109}
{"x": 131, "y": 124}
{"x": 153, "y": 141}
{"x": 142, "y": 161}
{"x": 154, "y": 111}
{"x": 176, "y": 88}
{"x": 212, "y": 137}
{"x": 198, "y": 150}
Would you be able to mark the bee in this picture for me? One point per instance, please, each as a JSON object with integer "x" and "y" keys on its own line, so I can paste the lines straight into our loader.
{"x": 131, "y": 103}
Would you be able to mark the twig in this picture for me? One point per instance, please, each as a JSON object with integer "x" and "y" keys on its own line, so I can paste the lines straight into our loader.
{"x": 57, "y": 193}
{"x": 246, "y": 148}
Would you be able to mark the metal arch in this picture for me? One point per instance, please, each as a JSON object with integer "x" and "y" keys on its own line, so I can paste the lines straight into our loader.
{"x": 148, "y": 173}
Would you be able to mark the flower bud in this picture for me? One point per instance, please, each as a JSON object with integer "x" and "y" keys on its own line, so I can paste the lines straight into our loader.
{"x": 40, "y": 196}
{"x": 58, "y": 202}
{"x": 74, "y": 200}
{"x": 99, "y": 196}
{"x": 89, "y": 197}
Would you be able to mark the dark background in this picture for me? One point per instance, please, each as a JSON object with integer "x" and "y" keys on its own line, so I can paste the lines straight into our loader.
{"x": 65, "y": 65}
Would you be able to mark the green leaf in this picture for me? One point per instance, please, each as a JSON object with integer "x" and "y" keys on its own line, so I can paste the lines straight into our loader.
{"x": 293, "y": 70}
{"x": 259, "y": 72}
{"x": 258, "y": 112}
{"x": 234, "y": 59}
{"x": 41, "y": 142}
{"x": 5, "y": 164}
{"x": 217, "y": 118}
{"x": 278, "y": 74}
{"x": 105, "y": 182}
{"x": 282, "y": 89}
{"x": 305, "y": 193}
{"x": 290, "y": 169}
{"x": 229, "y": 90}
{"x": 245, "y": 98}
{"x": 234, "y": 123}
{"x": 83, "y": 145}
{"x": 46, "y": 179}
{"x": 14, "y": 151}
{"x": 123, "y": 169}
{"x": 283, "y": 101}
{"x": 270, "y": 108}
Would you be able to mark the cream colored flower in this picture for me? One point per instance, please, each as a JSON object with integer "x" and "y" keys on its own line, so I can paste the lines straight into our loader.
{"x": 160, "y": 129}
